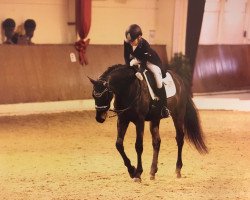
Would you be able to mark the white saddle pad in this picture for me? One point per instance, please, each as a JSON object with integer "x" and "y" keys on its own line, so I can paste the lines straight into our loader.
{"x": 168, "y": 83}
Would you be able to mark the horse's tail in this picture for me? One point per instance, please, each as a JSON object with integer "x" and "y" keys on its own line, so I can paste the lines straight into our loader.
{"x": 193, "y": 128}
{"x": 180, "y": 65}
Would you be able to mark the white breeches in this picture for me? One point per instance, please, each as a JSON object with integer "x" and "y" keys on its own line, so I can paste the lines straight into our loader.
{"x": 157, "y": 73}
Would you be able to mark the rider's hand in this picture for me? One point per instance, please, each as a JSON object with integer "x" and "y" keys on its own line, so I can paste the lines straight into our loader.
{"x": 139, "y": 76}
{"x": 134, "y": 61}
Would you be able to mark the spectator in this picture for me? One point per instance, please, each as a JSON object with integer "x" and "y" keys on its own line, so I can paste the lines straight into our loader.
{"x": 9, "y": 26}
{"x": 29, "y": 27}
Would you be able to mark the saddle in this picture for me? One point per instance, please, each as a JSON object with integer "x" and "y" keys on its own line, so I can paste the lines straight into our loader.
{"x": 167, "y": 82}
{"x": 170, "y": 89}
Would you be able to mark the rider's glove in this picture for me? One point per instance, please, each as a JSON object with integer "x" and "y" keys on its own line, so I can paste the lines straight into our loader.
{"x": 134, "y": 61}
{"x": 139, "y": 76}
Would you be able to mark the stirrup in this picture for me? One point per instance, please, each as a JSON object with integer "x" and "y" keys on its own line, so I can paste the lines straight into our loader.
{"x": 165, "y": 112}
{"x": 139, "y": 76}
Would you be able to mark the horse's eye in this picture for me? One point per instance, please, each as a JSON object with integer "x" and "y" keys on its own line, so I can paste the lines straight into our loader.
{"x": 96, "y": 94}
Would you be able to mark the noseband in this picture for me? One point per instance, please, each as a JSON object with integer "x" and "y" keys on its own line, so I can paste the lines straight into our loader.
{"x": 106, "y": 107}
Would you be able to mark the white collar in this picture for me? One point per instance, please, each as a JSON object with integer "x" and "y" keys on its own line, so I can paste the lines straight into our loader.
{"x": 134, "y": 47}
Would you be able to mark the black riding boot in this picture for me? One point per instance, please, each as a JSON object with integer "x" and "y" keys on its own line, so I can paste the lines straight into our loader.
{"x": 163, "y": 102}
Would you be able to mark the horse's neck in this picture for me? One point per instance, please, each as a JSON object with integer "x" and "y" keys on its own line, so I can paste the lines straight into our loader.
{"x": 122, "y": 82}
{"x": 125, "y": 93}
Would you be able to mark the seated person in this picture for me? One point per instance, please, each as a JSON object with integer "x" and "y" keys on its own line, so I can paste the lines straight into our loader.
{"x": 137, "y": 51}
{"x": 9, "y": 27}
{"x": 29, "y": 27}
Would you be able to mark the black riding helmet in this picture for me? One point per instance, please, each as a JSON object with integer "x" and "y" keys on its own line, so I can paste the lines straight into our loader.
{"x": 133, "y": 32}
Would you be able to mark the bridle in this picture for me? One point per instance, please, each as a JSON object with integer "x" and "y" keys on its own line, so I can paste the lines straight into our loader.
{"x": 120, "y": 111}
{"x": 107, "y": 107}
{"x": 100, "y": 94}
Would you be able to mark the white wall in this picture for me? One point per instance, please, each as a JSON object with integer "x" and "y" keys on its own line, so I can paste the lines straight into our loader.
{"x": 225, "y": 22}
{"x": 165, "y": 24}
{"x": 110, "y": 18}
{"x": 51, "y": 17}
{"x": 162, "y": 21}
{"x": 179, "y": 26}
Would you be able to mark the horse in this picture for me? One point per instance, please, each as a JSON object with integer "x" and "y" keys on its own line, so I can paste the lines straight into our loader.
{"x": 132, "y": 103}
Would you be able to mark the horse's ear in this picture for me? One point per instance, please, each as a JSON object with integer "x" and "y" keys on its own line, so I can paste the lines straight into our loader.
{"x": 92, "y": 81}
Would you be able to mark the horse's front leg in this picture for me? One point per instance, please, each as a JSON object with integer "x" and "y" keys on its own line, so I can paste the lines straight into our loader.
{"x": 139, "y": 148}
{"x": 122, "y": 126}
{"x": 156, "y": 142}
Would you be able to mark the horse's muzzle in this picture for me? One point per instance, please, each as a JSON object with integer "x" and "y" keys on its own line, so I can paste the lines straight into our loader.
{"x": 101, "y": 116}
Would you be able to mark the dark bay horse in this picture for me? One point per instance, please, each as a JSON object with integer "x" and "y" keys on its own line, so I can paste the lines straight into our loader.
{"x": 132, "y": 103}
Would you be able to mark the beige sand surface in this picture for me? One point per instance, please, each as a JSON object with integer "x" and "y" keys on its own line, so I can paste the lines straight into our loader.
{"x": 70, "y": 156}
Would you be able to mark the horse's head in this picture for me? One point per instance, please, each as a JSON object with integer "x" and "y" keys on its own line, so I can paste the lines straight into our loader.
{"x": 103, "y": 96}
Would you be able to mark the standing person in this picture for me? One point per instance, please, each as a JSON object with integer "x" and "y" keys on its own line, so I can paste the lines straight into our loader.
{"x": 137, "y": 51}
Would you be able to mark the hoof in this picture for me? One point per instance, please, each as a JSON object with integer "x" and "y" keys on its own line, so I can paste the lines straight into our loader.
{"x": 137, "y": 180}
{"x": 132, "y": 172}
{"x": 178, "y": 173}
{"x": 152, "y": 177}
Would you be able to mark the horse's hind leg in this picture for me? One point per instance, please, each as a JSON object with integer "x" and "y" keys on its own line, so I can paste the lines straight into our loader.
{"x": 156, "y": 142}
{"x": 179, "y": 124}
{"x": 122, "y": 126}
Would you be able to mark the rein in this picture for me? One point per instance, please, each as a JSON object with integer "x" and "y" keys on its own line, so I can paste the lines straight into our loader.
{"x": 120, "y": 111}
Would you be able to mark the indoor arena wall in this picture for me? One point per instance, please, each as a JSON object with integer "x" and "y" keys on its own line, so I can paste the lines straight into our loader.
{"x": 221, "y": 68}
{"x": 43, "y": 73}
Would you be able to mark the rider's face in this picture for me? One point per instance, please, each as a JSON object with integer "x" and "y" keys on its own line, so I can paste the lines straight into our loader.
{"x": 135, "y": 42}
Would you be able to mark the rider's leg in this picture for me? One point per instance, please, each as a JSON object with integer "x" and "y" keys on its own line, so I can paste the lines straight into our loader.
{"x": 163, "y": 101}
{"x": 160, "y": 88}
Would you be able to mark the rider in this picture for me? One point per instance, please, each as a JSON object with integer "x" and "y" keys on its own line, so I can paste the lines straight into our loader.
{"x": 137, "y": 51}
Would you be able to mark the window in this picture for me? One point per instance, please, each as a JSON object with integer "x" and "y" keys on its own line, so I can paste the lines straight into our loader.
{"x": 226, "y": 22}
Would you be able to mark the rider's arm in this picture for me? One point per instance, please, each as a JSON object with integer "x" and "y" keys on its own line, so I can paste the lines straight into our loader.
{"x": 127, "y": 51}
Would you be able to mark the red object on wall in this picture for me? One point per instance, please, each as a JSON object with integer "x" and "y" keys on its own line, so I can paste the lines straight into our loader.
{"x": 83, "y": 22}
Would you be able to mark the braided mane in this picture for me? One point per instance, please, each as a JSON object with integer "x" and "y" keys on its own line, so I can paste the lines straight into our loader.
{"x": 119, "y": 77}
{"x": 122, "y": 69}
{"x": 112, "y": 69}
